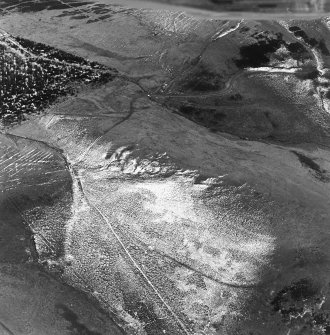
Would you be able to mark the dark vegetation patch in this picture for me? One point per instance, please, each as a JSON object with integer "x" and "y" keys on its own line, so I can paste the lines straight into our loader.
{"x": 272, "y": 122}
{"x": 307, "y": 72}
{"x": 200, "y": 179}
{"x": 310, "y": 41}
{"x": 296, "y": 48}
{"x": 236, "y": 97}
{"x": 100, "y": 9}
{"x": 298, "y": 51}
{"x": 258, "y": 54}
{"x": 40, "y": 49}
{"x": 32, "y": 81}
{"x": 298, "y": 32}
{"x": 36, "y": 6}
{"x": 13, "y": 249}
{"x": 220, "y": 2}
{"x": 75, "y": 326}
{"x": 93, "y": 20}
{"x": 294, "y": 29}
{"x": 266, "y": 44}
{"x": 203, "y": 80}
{"x": 322, "y": 46}
{"x": 94, "y": 12}
{"x": 94, "y": 9}
{"x": 244, "y": 29}
{"x": 70, "y": 13}
{"x": 153, "y": 325}
{"x": 143, "y": 309}
{"x": 80, "y": 17}
{"x": 104, "y": 17}
{"x": 267, "y": 5}
{"x": 210, "y": 118}
{"x": 298, "y": 303}
{"x": 288, "y": 300}
{"x": 307, "y": 162}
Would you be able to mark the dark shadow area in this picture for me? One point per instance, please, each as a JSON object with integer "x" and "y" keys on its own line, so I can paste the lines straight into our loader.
{"x": 75, "y": 326}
